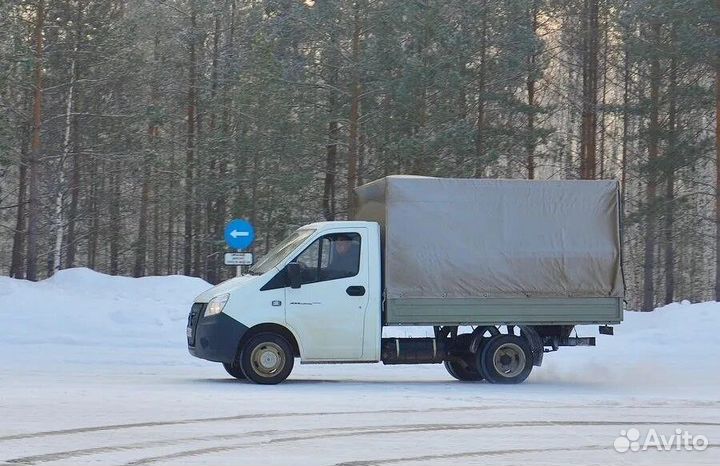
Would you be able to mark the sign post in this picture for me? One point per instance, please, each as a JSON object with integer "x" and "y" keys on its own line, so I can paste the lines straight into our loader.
{"x": 239, "y": 234}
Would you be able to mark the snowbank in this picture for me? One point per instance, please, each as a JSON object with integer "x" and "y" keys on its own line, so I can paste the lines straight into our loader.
{"x": 675, "y": 345}
{"x": 82, "y": 307}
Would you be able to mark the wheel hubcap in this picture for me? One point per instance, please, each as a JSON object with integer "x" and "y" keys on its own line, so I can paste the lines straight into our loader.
{"x": 509, "y": 360}
{"x": 267, "y": 359}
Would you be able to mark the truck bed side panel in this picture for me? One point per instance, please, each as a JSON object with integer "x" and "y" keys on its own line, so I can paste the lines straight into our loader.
{"x": 492, "y": 311}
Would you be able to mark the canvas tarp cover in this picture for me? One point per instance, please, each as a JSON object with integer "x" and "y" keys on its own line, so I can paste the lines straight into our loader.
{"x": 462, "y": 238}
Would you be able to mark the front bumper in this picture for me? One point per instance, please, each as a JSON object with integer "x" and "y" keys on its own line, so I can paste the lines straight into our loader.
{"x": 214, "y": 338}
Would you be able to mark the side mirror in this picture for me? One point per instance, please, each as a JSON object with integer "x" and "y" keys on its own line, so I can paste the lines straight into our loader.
{"x": 294, "y": 274}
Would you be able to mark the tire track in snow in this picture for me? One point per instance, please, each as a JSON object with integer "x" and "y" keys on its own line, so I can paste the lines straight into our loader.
{"x": 405, "y": 429}
{"x": 344, "y": 431}
{"x": 82, "y": 430}
{"x": 62, "y": 455}
{"x": 478, "y": 453}
{"x": 469, "y": 455}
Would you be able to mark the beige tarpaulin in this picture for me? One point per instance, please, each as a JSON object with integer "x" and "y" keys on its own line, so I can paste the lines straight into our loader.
{"x": 496, "y": 238}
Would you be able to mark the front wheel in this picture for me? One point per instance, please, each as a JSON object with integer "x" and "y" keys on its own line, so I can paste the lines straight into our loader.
{"x": 234, "y": 370}
{"x": 267, "y": 358}
{"x": 505, "y": 359}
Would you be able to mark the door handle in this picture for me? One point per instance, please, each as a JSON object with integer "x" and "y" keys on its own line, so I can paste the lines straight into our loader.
{"x": 355, "y": 290}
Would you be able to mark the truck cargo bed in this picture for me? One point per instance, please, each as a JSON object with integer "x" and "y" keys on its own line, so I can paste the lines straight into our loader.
{"x": 474, "y": 251}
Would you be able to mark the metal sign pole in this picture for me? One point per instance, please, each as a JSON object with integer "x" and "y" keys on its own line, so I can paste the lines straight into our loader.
{"x": 238, "y": 271}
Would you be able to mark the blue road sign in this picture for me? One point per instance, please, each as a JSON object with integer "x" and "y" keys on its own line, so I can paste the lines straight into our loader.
{"x": 239, "y": 234}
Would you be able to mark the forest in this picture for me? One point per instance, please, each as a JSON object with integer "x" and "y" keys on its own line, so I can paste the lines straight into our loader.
{"x": 132, "y": 131}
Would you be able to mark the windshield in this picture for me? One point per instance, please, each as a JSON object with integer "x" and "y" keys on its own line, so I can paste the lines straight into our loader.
{"x": 281, "y": 250}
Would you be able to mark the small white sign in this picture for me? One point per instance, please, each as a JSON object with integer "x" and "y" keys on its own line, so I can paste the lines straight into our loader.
{"x": 238, "y": 258}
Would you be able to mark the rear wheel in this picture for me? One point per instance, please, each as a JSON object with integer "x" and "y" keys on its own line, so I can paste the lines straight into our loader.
{"x": 462, "y": 370}
{"x": 267, "y": 358}
{"x": 505, "y": 359}
{"x": 462, "y": 365}
{"x": 234, "y": 370}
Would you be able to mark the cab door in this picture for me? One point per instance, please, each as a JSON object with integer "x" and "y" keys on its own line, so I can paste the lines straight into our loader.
{"x": 328, "y": 310}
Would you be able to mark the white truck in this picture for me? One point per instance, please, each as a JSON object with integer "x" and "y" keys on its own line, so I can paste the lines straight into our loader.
{"x": 503, "y": 270}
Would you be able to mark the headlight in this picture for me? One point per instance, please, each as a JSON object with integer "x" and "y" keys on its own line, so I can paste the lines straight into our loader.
{"x": 216, "y": 305}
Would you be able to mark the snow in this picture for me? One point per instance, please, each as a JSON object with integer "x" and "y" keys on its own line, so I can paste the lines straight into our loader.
{"x": 82, "y": 307}
{"x": 95, "y": 370}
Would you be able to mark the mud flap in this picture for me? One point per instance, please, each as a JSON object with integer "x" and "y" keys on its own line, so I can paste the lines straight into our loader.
{"x": 536, "y": 343}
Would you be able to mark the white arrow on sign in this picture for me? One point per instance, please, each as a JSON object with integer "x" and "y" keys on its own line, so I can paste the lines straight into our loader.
{"x": 236, "y": 233}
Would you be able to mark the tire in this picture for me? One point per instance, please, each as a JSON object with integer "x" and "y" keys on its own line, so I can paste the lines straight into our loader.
{"x": 234, "y": 370}
{"x": 462, "y": 365}
{"x": 462, "y": 370}
{"x": 267, "y": 359}
{"x": 505, "y": 359}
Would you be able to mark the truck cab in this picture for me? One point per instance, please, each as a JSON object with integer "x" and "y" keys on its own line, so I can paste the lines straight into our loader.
{"x": 319, "y": 290}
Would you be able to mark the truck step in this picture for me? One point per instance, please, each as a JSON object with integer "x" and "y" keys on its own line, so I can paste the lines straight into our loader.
{"x": 556, "y": 342}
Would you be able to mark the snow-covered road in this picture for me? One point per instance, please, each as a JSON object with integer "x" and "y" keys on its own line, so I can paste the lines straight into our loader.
{"x": 103, "y": 377}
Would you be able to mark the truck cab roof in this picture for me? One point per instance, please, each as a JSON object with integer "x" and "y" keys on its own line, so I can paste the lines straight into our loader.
{"x": 340, "y": 223}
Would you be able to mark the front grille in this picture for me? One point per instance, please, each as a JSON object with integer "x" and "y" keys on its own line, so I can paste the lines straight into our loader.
{"x": 196, "y": 311}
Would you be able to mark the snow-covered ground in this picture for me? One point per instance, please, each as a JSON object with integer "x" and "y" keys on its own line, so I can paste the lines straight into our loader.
{"x": 94, "y": 370}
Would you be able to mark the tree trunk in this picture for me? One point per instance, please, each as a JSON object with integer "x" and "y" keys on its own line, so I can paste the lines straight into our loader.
{"x": 170, "y": 256}
{"x": 141, "y": 243}
{"x": 421, "y": 165}
{"x": 75, "y": 180}
{"x": 669, "y": 246}
{"x": 717, "y": 163}
{"x": 480, "y": 152}
{"x": 190, "y": 148}
{"x": 211, "y": 233}
{"x": 603, "y": 102}
{"x": 153, "y": 132}
{"x": 114, "y": 226}
{"x": 653, "y": 142}
{"x": 156, "y": 180}
{"x": 49, "y": 255}
{"x": 35, "y": 148}
{"x": 355, "y": 89}
{"x": 588, "y": 131}
{"x": 221, "y": 205}
{"x": 16, "y": 265}
{"x": 670, "y": 152}
{"x": 625, "y": 127}
{"x": 328, "y": 201}
{"x": 361, "y": 156}
{"x": 532, "y": 58}
{"x": 156, "y": 229}
{"x": 198, "y": 248}
{"x": 58, "y": 226}
{"x": 93, "y": 232}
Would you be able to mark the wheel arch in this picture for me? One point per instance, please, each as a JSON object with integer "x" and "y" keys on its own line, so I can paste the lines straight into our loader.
{"x": 272, "y": 328}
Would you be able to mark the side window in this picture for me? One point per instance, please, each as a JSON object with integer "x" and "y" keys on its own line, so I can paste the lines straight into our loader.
{"x": 342, "y": 256}
{"x": 330, "y": 257}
